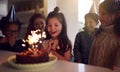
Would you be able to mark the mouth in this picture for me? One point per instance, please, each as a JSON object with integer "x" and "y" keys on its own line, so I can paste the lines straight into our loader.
{"x": 52, "y": 33}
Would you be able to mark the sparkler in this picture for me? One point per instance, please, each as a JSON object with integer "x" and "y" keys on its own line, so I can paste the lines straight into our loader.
{"x": 35, "y": 38}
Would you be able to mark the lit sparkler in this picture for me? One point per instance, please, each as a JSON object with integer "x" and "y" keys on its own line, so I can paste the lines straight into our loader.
{"x": 35, "y": 38}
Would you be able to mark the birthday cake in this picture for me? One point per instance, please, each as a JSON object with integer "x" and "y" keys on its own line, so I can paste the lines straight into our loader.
{"x": 32, "y": 56}
{"x": 35, "y": 53}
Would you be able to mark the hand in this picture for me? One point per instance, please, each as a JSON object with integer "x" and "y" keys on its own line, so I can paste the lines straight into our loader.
{"x": 54, "y": 53}
{"x": 50, "y": 45}
{"x": 3, "y": 40}
{"x": 54, "y": 44}
{"x": 47, "y": 44}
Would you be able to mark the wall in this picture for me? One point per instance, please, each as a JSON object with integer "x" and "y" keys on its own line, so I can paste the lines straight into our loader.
{"x": 70, "y": 10}
{"x": 49, "y": 5}
{"x": 3, "y": 8}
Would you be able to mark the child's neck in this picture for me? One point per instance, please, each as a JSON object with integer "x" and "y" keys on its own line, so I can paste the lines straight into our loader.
{"x": 54, "y": 38}
{"x": 90, "y": 32}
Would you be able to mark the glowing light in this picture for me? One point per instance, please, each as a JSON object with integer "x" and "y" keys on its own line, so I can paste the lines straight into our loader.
{"x": 23, "y": 45}
{"x": 44, "y": 35}
{"x": 35, "y": 38}
{"x": 40, "y": 41}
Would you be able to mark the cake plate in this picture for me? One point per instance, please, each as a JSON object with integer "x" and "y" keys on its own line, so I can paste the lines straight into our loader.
{"x": 12, "y": 63}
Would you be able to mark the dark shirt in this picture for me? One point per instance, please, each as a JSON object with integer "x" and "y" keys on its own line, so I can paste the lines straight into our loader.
{"x": 82, "y": 45}
{"x": 16, "y": 48}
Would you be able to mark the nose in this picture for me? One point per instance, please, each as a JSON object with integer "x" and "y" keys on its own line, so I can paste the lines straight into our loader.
{"x": 52, "y": 28}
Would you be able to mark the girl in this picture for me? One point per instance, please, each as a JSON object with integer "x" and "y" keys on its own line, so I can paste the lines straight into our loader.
{"x": 105, "y": 51}
{"x": 84, "y": 39}
{"x": 37, "y": 21}
{"x": 59, "y": 43}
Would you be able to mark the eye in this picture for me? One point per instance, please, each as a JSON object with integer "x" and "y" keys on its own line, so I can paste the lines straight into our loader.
{"x": 49, "y": 25}
{"x": 41, "y": 23}
{"x": 56, "y": 25}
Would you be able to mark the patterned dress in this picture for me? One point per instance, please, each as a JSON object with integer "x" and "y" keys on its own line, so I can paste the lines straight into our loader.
{"x": 105, "y": 50}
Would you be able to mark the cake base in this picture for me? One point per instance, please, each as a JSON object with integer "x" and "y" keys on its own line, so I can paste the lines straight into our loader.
{"x": 31, "y": 57}
{"x": 36, "y": 66}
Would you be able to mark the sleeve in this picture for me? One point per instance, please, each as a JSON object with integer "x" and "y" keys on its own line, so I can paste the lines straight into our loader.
{"x": 117, "y": 57}
{"x": 5, "y": 46}
{"x": 18, "y": 46}
{"x": 117, "y": 60}
{"x": 77, "y": 46}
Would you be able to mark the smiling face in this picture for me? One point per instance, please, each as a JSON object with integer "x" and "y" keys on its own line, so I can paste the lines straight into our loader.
{"x": 54, "y": 27}
{"x": 39, "y": 23}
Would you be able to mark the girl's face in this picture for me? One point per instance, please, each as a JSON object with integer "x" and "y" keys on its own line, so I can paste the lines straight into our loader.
{"x": 11, "y": 31}
{"x": 90, "y": 24}
{"x": 54, "y": 27}
{"x": 105, "y": 17}
{"x": 39, "y": 23}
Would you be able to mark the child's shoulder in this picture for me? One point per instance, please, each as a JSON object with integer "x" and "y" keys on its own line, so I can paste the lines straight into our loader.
{"x": 3, "y": 40}
{"x": 81, "y": 32}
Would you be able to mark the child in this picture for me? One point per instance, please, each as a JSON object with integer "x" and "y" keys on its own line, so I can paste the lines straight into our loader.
{"x": 10, "y": 27}
{"x": 37, "y": 21}
{"x": 105, "y": 51}
{"x": 84, "y": 39}
{"x": 59, "y": 44}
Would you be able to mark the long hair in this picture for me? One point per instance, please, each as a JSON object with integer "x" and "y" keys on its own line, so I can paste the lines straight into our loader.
{"x": 111, "y": 6}
{"x": 64, "y": 42}
{"x": 31, "y": 23}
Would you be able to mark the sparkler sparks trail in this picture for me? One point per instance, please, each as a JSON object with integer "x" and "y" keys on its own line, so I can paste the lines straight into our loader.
{"x": 35, "y": 38}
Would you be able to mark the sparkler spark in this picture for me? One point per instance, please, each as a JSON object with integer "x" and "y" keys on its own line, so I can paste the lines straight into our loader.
{"x": 36, "y": 37}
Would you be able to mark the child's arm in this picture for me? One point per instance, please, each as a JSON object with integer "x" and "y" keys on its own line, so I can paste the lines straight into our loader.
{"x": 60, "y": 57}
{"x": 77, "y": 48}
{"x": 117, "y": 61}
{"x": 53, "y": 44}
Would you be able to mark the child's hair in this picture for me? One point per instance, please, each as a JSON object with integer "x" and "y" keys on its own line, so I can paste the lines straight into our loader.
{"x": 31, "y": 22}
{"x": 4, "y": 23}
{"x": 111, "y": 6}
{"x": 63, "y": 39}
{"x": 94, "y": 16}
